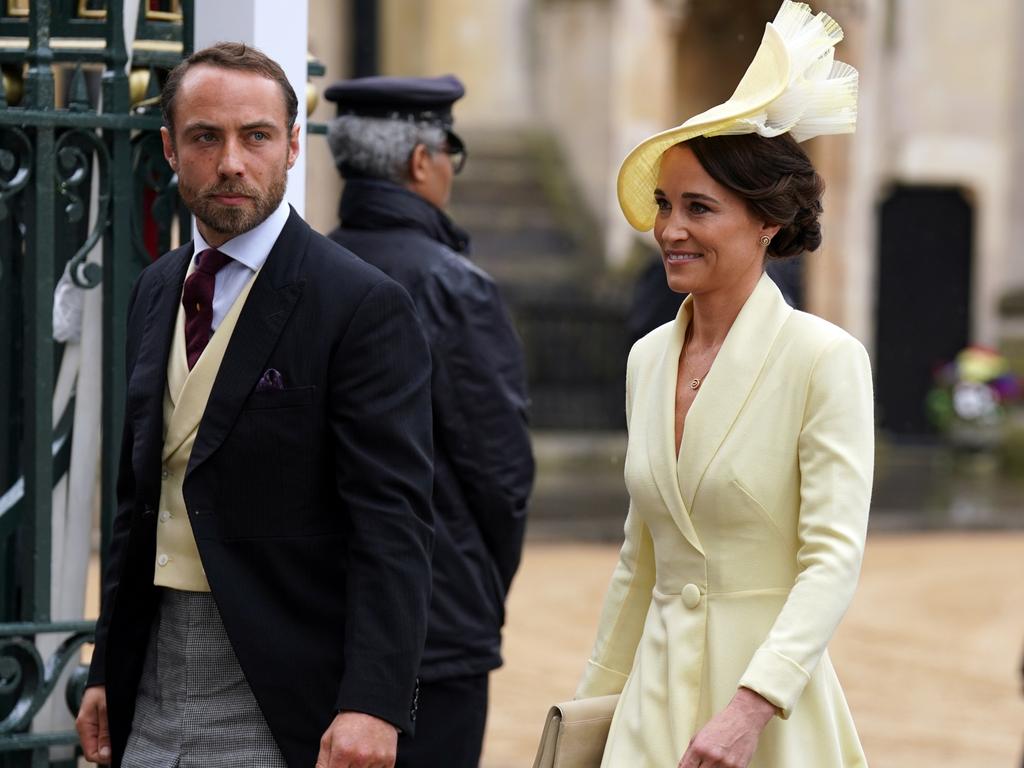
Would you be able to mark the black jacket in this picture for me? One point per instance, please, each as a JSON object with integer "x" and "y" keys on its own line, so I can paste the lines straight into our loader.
{"x": 310, "y": 504}
{"x": 483, "y": 464}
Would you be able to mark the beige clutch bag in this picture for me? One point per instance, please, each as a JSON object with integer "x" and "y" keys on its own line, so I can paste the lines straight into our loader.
{"x": 575, "y": 733}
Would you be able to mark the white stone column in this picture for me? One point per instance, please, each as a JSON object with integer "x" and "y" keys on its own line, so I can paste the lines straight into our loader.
{"x": 858, "y": 298}
{"x": 281, "y": 31}
{"x": 641, "y": 99}
{"x": 1014, "y": 210}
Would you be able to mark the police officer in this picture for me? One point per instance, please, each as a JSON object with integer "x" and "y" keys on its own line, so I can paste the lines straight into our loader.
{"x": 394, "y": 145}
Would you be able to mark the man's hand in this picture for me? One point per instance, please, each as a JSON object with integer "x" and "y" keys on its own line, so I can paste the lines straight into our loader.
{"x": 92, "y": 725}
{"x": 729, "y": 739}
{"x": 356, "y": 740}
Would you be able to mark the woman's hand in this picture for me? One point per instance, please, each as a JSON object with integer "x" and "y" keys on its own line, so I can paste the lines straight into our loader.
{"x": 730, "y": 737}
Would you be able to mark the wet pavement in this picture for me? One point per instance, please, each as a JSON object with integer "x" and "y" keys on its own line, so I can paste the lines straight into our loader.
{"x": 580, "y": 495}
{"x": 929, "y": 653}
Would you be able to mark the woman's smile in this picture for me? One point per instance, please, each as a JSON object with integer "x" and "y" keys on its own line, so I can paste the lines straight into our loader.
{"x": 682, "y": 257}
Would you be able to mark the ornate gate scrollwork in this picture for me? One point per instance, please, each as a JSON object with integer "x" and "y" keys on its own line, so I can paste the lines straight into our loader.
{"x": 75, "y": 150}
{"x": 15, "y": 165}
{"x": 24, "y": 674}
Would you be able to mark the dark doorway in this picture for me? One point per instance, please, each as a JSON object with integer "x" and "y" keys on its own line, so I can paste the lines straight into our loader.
{"x": 924, "y": 289}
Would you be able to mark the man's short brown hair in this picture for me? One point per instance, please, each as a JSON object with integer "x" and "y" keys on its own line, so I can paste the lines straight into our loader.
{"x": 238, "y": 56}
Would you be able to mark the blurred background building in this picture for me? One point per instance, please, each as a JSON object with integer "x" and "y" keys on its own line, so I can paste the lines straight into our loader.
{"x": 923, "y": 257}
{"x": 925, "y": 203}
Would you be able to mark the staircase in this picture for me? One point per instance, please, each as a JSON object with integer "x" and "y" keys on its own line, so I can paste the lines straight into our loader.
{"x": 530, "y": 232}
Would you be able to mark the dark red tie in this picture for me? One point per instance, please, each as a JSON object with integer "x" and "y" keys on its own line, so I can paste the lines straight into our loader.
{"x": 197, "y": 299}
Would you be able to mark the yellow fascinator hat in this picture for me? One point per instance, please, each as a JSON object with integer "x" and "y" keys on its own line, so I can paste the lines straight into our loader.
{"x": 793, "y": 85}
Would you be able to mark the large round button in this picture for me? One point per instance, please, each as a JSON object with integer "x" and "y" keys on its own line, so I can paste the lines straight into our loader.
{"x": 691, "y": 595}
{"x": 162, "y": 560}
{"x": 165, "y": 516}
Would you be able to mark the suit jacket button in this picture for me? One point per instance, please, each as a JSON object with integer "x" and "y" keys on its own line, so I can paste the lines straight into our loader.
{"x": 691, "y": 596}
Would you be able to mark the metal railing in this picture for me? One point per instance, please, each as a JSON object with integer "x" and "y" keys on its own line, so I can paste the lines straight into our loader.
{"x": 80, "y": 170}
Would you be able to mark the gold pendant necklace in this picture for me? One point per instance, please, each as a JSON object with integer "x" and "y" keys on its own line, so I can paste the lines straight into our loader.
{"x": 694, "y": 383}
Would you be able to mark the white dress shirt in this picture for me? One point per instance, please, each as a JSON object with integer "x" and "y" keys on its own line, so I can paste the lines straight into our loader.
{"x": 248, "y": 252}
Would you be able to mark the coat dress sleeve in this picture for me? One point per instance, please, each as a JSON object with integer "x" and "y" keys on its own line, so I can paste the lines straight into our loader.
{"x": 836, "y": 459}
{"x": 480, "y": 402}
{"x": 626, "y": 602}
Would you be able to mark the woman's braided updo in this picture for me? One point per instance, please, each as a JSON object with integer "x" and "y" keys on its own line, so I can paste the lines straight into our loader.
{"x": 775, "y": 178}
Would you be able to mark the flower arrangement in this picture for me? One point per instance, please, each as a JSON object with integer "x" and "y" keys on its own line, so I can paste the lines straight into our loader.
{"x": 971, "y": 395}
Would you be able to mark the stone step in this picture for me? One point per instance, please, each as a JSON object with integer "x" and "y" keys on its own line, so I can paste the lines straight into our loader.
{"x": 579, "y": 486}
{"x": 479, "y": 216}
{"x": 498, "y": 170}
{"x": 526, "y": 193}
{"x": 498, "y": 142}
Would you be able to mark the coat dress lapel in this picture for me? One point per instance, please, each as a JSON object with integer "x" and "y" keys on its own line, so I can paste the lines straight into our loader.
{"x": 661, "y": 430}
{"x": 275, "y": 290}
{"x": 728, "y": 385}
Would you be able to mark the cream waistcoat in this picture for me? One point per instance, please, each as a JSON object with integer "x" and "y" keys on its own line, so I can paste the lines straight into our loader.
{"x": 177, "y": 559}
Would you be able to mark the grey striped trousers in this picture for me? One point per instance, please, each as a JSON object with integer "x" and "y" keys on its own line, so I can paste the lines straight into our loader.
{"x": 194, "y": 708}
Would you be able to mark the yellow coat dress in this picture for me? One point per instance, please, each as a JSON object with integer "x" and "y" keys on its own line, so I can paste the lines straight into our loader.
{"x": 742, "y": 555}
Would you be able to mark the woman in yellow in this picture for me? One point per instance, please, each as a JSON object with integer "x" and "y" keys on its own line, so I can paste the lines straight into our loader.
{"x": 750, "y": 442}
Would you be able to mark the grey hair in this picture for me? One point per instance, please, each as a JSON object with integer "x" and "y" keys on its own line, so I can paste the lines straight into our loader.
{"x": 379, "y": 147}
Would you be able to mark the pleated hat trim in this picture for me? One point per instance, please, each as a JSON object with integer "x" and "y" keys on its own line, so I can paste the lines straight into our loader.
{"x": 793, "y": 85}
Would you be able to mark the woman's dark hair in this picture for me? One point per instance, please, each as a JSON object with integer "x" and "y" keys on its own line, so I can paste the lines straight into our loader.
{"x": 775, "y": 178}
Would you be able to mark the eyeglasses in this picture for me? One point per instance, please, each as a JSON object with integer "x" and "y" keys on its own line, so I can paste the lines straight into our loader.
{"x": 457, "y": 155}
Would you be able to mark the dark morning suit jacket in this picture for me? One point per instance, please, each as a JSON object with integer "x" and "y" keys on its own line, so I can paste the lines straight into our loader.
{"x": 310, "y": 504}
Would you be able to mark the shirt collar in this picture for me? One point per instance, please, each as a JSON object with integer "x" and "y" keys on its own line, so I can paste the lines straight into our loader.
{"x": 253, "y": 247}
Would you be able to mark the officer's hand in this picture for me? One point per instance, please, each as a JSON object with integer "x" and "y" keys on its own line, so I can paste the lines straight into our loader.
{"x": 92, "y": 725}
{"x": 357, "y": 740}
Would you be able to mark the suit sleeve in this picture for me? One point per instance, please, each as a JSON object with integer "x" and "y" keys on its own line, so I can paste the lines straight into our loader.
{"x": 836, "y": 459}
{"x": 626, "y": 602}
{"x": 121, "y": 524}
{"x": 480, "y": 400}
{"x": 381, "y": 427}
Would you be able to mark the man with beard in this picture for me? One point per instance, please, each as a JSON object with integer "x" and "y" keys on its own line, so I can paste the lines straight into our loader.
{"x": 394, "y": 144}
{"x": 266, "y": 594}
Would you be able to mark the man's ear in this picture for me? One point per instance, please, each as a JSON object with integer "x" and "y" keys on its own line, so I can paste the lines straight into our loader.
{"x": 418, "y": 163}
{"x": 169, "y": 151}
{"x": 293, "y": 146}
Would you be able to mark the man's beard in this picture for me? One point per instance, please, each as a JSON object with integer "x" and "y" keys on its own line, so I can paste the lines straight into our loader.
{"x": 232, "y": 220}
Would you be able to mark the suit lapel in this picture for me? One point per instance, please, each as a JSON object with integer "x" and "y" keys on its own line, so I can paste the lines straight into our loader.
{"x": 729, "y": 383}
{"x": 275, "y": 291}
{"x": 193, "y": 387}
{"x": 661, "y": 427}
{"x": 149, "y": 373}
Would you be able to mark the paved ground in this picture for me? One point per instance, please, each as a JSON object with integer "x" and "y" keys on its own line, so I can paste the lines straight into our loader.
{"x": 929, "y": 653}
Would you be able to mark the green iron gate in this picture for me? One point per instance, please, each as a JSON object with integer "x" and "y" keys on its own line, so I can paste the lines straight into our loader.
{"x": 81, "y": 171}
{"x": 78, "y": 135}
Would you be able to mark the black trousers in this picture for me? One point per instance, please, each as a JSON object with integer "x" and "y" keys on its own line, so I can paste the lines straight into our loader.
{"x": 449, "y": 725}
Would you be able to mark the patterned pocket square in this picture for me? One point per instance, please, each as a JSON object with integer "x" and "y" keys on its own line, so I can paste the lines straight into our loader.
{"x": 270, "y": 380}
